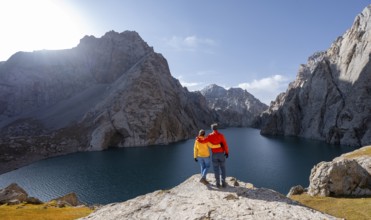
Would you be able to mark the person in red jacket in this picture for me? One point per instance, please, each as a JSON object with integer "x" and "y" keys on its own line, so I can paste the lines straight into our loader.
{"x": 218, "y": 154}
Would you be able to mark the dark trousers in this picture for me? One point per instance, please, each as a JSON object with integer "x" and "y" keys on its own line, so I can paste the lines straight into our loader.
{"x": 219, "y": 166}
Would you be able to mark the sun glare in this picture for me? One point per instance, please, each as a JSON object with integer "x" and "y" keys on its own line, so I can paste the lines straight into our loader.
{"x": 38, "y": 24}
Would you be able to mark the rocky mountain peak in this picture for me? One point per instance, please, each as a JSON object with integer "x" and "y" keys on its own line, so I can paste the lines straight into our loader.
{"x": 234, "y": 107}
{"x": 108, "y": 91}
{"x": 214, "y": 91}
{"x": 125, "y": 37}
{"x": 348, "y": 51}
{"x": 116, "y": 36}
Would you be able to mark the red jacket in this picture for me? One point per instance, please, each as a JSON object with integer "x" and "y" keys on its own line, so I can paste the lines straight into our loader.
{"x": 217, "y": 138}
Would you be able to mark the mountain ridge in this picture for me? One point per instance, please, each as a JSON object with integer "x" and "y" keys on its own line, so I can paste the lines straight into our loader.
{"x": 109, "y": 91}
{"x": 329, "y": 99}
{"x": 235, "y": 106}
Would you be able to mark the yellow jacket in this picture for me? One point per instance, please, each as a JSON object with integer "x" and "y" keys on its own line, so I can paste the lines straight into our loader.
{"x": 202, "y": 149}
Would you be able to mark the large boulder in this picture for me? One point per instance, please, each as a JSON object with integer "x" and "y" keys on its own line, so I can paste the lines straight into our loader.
{"x": 13, "y": 194}
{"x": 296, "y": 190}
{"x": 67, "y": 200}
{"x": 340, "y": 178}
{"x": 346, "y": 175}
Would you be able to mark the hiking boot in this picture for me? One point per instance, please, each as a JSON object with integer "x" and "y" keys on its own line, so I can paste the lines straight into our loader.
{"x": 218, "y": 186}
{"x": 204, "y": 181}
{"x": 224, "y": 184}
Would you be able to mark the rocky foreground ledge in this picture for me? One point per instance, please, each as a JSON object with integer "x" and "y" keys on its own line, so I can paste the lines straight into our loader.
{"x": 193, "y": 200}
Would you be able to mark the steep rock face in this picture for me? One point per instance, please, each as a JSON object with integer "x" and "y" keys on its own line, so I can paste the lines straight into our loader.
{"x": 193, "y": 200}
{"x": 233, "y": 107}
{"x": 330, "y": 99}
{"x": 148, "y": 109}
{"x": 44, "y": 78}
{"x": 108, "y": 91}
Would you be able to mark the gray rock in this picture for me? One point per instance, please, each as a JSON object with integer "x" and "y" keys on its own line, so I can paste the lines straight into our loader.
{"x": 342, "y": 177}
{"x": 193, "y": 200}
{"x": 33, "y": 200}
{"x": 330, "y": 98}
{"x": 296, "y": 190}
{"x": 67, "y": 200}
{"x": 13, "y": 194}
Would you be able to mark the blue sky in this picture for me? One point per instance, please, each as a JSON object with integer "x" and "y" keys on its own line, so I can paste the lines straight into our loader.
{"x": 254, "y": 44}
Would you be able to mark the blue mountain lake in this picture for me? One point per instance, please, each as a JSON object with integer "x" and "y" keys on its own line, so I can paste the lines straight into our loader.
{"x": 120, "y": 174}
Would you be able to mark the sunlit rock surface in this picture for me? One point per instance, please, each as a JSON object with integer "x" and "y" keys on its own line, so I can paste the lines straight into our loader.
{"x": 193, "y": 200}
{"x": 347, "y": 175}
{"x": 330, "y": 99}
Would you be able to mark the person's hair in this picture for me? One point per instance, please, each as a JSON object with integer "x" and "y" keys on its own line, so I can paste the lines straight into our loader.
{"x": 214, "y": 126}
{"x": 201, "y": 132}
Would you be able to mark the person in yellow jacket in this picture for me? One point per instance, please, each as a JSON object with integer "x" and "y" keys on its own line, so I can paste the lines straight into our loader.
{"x": 201, "y": 154}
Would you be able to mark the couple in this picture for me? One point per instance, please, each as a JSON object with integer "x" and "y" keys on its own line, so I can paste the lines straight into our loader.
{"x": 219, "y": 148}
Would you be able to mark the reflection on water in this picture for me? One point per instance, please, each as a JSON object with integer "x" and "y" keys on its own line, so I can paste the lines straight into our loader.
{"x": 120, "y": 174}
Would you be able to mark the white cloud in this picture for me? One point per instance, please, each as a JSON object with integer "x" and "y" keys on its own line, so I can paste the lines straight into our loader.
{"x": 200, "y": 76}
{"x": 266, "y": 89}
{"x": 190, "y": 43}
{"x": 192, "y": 86}
{"x": 189, "y": 84}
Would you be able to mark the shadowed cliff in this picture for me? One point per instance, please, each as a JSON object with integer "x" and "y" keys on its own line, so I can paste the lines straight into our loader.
{"x": 108, "y": 91}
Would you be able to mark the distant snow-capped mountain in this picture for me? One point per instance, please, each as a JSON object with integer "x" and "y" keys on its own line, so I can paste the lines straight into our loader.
{"x": 233, "y": 107}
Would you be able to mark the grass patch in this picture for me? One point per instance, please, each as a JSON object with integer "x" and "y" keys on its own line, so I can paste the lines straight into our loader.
{"x": 348, "y": 208}
{"x": 42, "y": 212}
{"x": 365, "y": 151}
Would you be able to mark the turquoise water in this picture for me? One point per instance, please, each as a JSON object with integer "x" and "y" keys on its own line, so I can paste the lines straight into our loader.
{"x": 122, "y": 173}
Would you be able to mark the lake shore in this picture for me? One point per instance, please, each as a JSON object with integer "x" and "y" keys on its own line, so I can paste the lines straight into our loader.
{"x": 130, "y": 172}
